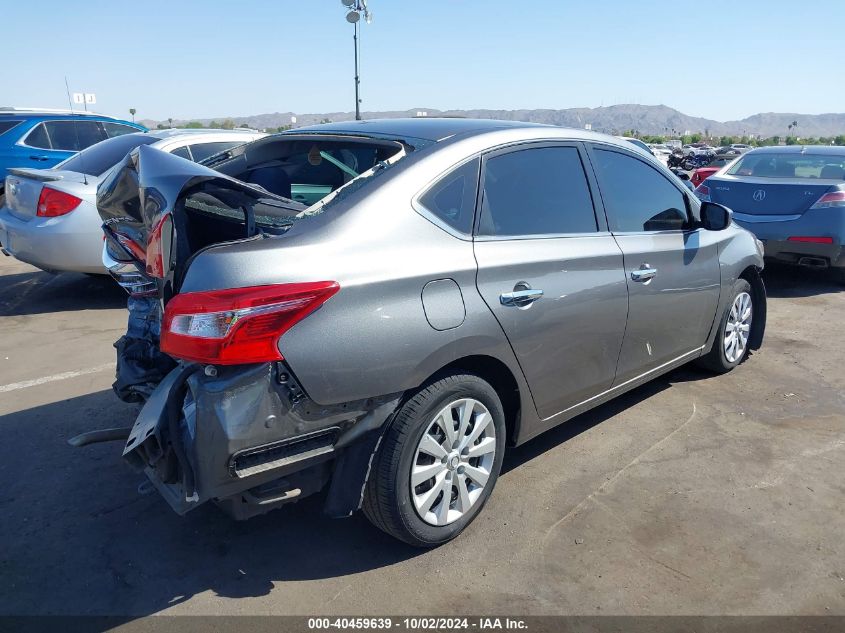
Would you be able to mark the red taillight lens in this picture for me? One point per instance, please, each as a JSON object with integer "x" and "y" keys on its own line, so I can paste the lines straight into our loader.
{"x": 238, "y": 325}
{"x": 53, "y": 203}
{"x": 829, "y": 200}
{"x": 810, "y": 238}
{"x": 155, "y": 250}
{"x": 703, "y": 192}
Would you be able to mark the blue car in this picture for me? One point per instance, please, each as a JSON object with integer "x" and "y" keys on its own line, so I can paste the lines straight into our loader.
{"x": 43, "y": 138}
{"x": 792, "y": 198}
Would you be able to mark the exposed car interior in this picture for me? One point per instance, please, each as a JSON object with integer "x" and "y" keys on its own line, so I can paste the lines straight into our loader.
{"x": 302, "y": 170}
{"x": 307, "y": 169}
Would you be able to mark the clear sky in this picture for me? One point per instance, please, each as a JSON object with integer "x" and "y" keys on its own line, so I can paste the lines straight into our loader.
{"x": 212, "y": 58}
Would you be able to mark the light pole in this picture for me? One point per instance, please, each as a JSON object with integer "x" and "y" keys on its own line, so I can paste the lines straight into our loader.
{"x": 355, "y": 9}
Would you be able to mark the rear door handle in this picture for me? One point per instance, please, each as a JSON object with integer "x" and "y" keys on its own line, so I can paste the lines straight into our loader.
{"x": 520, "y": 298}
{"x": 39, "y": 157}
{"x": 643, "y": 274}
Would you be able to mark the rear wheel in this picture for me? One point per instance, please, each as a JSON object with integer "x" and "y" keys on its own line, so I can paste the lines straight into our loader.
{"x": 731, "y": 345}
{"x": 438, "y": 461}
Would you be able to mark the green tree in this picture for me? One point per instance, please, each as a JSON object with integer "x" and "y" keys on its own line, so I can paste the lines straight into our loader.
{"x": 193, "y": 125}
{"x": 214, "y": 125}
{"x": 228, "y": 124}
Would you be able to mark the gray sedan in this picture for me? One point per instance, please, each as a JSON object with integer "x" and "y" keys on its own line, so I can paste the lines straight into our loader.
{"x": 446, "y": 289}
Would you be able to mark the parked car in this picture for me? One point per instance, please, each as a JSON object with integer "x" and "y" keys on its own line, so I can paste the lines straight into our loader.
{"x": 464, "y": 286}
{"x": 661, "y": 153}
{"x": 792, "y": 198}
{"x": 702, "y": 173}
{"x": 43, "y": 138}
{"x": 49, "y": 218}
{"x": 741, "y": 147}
{"x": 638, "y": 143}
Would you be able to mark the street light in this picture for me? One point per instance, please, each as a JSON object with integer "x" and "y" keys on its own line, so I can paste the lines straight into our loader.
{"x": 356, "y": 9}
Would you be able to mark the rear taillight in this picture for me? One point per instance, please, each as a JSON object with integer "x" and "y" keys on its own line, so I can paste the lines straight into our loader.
{"x": 812, "y": 239}
{"x": 703, "y": 192}
{"x": 239, "y": 325}
{"x": 53, "y": 203}
{"x": 830, "y": 200}
{"x": 155, "y": 248}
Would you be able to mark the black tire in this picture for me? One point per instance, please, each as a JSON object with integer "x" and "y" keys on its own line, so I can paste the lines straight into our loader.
{"x": 838, "y": 275}
{"x": 387, "y": 498}
{"x": 716, "y": 360}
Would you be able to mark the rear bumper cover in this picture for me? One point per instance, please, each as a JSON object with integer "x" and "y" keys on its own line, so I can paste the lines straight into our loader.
{"x": 775, "y": 231}
{"x": 250, "y": 439}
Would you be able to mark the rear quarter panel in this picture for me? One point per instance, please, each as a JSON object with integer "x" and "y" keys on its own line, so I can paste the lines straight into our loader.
{"x": 372, "y": 337}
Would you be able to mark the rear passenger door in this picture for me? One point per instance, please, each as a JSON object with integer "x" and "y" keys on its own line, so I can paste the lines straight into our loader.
{"x": 672, "y": 269}
{"x": 550, "y": 271}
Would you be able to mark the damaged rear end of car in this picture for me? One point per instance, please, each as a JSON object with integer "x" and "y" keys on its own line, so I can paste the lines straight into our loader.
{"x": 224, "y": 417}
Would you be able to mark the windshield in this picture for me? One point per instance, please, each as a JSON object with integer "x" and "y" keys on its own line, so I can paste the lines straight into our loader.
{"x": 790, "y": 165}
{"x": 98, "y": 159}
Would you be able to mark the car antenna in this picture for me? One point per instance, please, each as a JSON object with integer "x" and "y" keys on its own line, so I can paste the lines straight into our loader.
{"x": 76, "y": 132}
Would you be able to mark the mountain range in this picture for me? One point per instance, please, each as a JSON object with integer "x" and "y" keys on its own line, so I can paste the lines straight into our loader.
{"x": 645, "y": 119}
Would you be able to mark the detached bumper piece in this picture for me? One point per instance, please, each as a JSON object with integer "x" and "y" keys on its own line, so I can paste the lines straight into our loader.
{"x": 248, "y": 438}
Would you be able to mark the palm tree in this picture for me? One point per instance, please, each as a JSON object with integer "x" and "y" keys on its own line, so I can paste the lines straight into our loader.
{"x": 132, "y": 111}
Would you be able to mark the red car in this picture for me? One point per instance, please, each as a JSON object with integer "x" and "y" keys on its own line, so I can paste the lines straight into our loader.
{"x": 703, "y": 173}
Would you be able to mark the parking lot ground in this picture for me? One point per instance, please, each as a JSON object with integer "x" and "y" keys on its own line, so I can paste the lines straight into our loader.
{"x": 693, "y": 494}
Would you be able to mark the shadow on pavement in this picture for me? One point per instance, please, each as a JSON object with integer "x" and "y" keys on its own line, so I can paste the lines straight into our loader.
{"x": 74, "y": 523}
{"x": 784, "y": 281}
{"x": 41, "y": 293}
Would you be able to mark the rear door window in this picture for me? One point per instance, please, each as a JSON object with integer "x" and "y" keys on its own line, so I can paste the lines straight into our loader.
{"x": 182, "y": 152}
{"x": 538, "y": 191}
{"x": 38, "y": 137}
{"x": 636, "y": 196}
{"x": 452, "y": 198}
{"x": 74, "y": 135}
{"x": 201, "y": 151}
{"x": 117, "y": 129}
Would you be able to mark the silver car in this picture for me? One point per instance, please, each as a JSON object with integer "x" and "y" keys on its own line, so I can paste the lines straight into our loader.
{"x": 446, "y": 289}
{"x": 49, "y": 218}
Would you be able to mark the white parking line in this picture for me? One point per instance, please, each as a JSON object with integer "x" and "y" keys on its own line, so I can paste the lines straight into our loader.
{"x": 63, "y": 376}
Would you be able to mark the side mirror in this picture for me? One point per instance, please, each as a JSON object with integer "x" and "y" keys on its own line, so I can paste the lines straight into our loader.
{"x": 715, "y": 217}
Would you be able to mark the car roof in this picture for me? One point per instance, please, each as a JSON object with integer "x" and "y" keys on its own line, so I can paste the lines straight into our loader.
{"x": 832, "y": 150}
{"x": 431, "y": 130}
{"x": 20, "y": 114}
{"x": 424, "y": 128}
{"x": 177, "y": 132}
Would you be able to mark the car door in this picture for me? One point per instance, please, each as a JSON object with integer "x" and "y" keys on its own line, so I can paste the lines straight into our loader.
{"x": 671, "y": 268}
{"x": 51, "y": 142}
{"x": 550, "y": 271}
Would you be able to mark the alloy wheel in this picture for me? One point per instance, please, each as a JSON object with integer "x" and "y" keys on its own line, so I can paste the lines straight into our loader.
{"x": 738, "y": 328}
{"x": 453, "y": 462}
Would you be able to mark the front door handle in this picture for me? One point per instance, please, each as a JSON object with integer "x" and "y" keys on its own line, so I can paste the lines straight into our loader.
{"x": 645, "y": 273}
{"x": 41, "y": 158}
{"x": 520, "y": 298}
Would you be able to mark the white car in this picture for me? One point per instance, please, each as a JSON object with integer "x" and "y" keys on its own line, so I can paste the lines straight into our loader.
{"x": 661, "y": 153}
{"x": 49, "y": 218}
